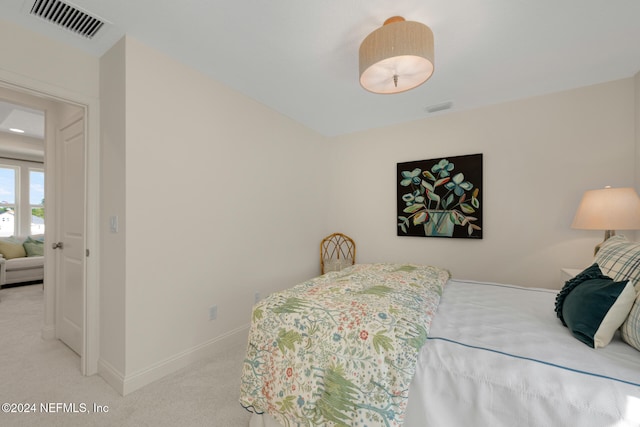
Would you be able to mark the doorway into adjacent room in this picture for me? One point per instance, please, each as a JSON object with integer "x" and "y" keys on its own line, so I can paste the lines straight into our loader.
{"x": 43, "y": 141}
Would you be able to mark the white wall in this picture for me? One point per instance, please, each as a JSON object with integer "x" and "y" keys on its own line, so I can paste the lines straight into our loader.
{"x": 33, "y": 64}
{"x": 245, "y": 185}
{"x": 637, "y": 129}
{"x": 112, "y": 203}
{"x": 540, "y": 155}
{"x": 35, "y": 61}
{"x": 256, "y": 191}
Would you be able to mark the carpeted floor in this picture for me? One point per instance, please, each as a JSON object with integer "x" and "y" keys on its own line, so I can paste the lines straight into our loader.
{"x": 38, "y": 372}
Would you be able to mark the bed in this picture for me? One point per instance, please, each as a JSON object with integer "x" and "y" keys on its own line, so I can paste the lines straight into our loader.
{"x": 494, "y": 354}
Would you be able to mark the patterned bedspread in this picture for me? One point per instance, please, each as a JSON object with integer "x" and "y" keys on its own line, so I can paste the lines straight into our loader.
{"x": 341, "y": 349}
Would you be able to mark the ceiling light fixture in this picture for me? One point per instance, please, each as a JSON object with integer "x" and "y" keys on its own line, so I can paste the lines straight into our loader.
{"x": 16, "y": 130}
{"x": 396, "y": 57}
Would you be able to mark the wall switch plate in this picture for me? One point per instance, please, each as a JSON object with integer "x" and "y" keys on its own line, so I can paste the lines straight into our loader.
{"x": 213, "y": 312}
{"x": 256, "y": 297}
{"x": 113, "y": 223}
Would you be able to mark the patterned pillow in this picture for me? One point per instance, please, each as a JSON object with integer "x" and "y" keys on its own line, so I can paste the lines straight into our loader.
{"x": 630, "y": 330}
{"x": 619, "y": 259}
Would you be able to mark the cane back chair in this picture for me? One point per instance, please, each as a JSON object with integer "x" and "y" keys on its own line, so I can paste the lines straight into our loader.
{"x": 337, "y": 251}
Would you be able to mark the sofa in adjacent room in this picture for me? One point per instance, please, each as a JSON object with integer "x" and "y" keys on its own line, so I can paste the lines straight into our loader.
{"x": 21, "y": 259}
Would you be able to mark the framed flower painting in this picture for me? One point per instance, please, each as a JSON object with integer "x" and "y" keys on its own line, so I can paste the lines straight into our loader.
{"x": 441, "y": 197}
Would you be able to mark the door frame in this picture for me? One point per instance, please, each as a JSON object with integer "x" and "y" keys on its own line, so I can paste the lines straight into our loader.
{"x": 91, "y": 107}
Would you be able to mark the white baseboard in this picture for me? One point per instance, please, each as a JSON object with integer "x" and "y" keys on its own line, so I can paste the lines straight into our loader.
{"x": 111, "y": 375}
{"x": 161, "y": 369}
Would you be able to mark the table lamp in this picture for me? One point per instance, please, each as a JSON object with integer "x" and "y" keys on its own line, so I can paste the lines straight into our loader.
{"x": 608, "y": 209}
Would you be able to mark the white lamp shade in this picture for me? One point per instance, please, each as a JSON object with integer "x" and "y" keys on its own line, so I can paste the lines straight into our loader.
{"x": 396, "y": 57}
{"x": 608, "y": 209}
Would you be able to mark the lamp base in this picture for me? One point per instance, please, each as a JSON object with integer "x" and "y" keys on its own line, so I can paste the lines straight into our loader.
{"x": 607, "y": 235}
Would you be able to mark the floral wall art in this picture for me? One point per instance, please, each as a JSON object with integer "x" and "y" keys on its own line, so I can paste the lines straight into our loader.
{"x": 441, "y": 197}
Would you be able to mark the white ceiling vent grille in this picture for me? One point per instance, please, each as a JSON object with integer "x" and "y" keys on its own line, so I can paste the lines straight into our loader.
{"x": 67, "y": 16}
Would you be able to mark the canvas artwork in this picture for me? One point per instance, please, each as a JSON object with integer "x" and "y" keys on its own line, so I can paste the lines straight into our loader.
{"x": 441, "y": 197}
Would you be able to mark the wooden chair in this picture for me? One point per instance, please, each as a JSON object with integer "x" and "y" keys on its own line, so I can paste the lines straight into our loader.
{"x": 337, "y": 251}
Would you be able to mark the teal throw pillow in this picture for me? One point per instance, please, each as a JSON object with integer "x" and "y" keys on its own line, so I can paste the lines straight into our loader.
{"x": 591, "y": 272}
{"x": 596, "y": 307}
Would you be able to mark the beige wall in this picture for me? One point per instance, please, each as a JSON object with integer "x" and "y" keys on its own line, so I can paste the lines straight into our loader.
{"x": 32, "y": 60}
{"x": 218, "y": 197}
{"x": 637, "y": 129}
{"x": 540, "y": 155}
{"x": 113, "y": 189}
{"x": 253, "y": 192}
{"x": 51, "y": 71}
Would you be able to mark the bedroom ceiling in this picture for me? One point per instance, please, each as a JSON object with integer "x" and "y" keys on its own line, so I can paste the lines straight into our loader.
{"x": 301, "y": 58}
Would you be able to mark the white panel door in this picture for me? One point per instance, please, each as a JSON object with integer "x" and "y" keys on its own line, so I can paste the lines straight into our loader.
{"x": 70, "y": 259}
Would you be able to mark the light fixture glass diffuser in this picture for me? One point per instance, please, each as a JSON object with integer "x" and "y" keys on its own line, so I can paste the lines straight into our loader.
{"x": 396, "y": 57}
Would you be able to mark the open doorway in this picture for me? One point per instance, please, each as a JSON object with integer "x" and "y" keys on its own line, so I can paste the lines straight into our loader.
{"x": 22, "y": 194}
{"x": 22, "y": 219}
{"x": 57, "y": 152}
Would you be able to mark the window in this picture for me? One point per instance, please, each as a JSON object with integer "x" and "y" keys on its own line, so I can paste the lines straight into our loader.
{"x": 8, "y": 184}
{"x": 21, "y": 198}
{"x": 36, "y": 200}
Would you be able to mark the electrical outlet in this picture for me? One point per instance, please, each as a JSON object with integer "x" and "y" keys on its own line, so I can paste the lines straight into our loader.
{"x": 213, "y": 312}
{"x": 256, "y": 297}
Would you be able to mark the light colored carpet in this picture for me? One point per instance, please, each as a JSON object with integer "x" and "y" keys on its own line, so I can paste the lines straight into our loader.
{"x": 36, "y": 371}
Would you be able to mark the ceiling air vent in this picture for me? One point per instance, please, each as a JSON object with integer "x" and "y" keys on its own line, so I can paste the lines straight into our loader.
{"x": 67, "y": 16}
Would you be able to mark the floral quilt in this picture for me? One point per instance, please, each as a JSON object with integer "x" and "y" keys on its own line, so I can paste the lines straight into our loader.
{"x": 341, "y": 349}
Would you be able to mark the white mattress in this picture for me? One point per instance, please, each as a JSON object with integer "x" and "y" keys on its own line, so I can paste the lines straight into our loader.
{"x": 498, "y": 356}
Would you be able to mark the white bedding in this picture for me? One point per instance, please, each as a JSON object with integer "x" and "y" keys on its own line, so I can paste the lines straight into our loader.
{"x": 527, "y": 369}
{"x": 498, "y": 356}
